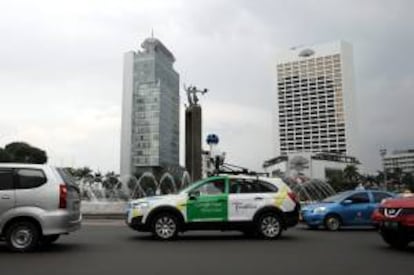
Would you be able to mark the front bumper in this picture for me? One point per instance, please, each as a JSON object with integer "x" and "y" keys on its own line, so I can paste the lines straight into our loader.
{"x": 137, "y": 224}
{"x": 311, "y": 218}
{"x": 134, "y": 219}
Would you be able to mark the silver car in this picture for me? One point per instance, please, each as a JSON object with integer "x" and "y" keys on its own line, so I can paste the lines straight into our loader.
{"x": 38, "y": 203}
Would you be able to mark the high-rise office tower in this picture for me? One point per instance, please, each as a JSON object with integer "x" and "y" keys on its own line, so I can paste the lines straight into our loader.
{"x": 150, "y": 110}
{"x": 317, "y": 111}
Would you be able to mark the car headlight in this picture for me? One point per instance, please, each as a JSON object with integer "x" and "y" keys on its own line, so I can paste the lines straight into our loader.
{"x": 140, "y": 205}
{"x": 319, "y": 210}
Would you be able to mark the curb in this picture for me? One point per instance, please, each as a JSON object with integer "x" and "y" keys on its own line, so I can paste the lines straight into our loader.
{"x": 104, "y": 216}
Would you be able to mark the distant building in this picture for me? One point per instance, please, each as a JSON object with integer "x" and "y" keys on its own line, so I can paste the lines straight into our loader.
{"x": 311, "y": 165}
{"x": 402, "y": 159}
{"x": 150, "y": 110}
{"x": 315, "y": 98}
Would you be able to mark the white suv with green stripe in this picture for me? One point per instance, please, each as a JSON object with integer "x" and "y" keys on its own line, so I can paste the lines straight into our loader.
{"x": 254, "y": 205}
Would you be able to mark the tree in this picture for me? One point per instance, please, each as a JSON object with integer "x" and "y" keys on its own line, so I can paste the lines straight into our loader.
{"x": 4, "y": 156}
{"x": 351, "y": 173}
{"x": 85, "y": 171}
{"x": 397, "y": 174}
{"x": 23, "y": 153}
{"x": 379, "y": 178}
{"x": 408, "y": 180}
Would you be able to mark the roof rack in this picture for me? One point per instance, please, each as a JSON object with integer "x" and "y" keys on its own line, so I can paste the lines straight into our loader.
{"x": 231, "y": 169}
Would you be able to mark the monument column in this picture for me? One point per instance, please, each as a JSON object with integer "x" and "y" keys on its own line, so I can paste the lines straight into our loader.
{"x": 193, "y": 133}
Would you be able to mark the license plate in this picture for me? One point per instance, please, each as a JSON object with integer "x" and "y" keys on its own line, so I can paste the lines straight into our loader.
{"x": 392, "y": 225}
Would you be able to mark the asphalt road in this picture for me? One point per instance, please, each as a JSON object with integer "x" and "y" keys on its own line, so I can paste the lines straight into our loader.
{"x": 111, "y": 248}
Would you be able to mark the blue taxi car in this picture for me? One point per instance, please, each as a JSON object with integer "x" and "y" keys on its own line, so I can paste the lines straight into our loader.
{"x": 349, "y": 208}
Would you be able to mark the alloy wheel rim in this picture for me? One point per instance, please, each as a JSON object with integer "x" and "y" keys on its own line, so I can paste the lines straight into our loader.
{"x": 333, "y": 223}
{"x": 21, "y": 237}
{"x": 165, "y": 227}
{"x": 270, "y": 226}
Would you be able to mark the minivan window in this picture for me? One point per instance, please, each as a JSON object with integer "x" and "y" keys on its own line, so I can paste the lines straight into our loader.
{"x": 6, "y": 179}
{"x": 30, "y": 178}
{"x": 66, "y": 176}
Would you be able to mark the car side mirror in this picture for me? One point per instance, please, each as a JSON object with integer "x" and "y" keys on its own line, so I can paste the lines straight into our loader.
{"x": 194, "y": 195}
{"x": 347, "y": 202}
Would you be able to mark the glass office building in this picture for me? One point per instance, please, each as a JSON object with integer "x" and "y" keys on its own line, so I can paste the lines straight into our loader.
{"x": 150, "y": 113}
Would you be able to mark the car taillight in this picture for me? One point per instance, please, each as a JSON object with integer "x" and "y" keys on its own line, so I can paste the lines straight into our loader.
{"x": 292, "y": 196}
{"x": 63, "y": 193}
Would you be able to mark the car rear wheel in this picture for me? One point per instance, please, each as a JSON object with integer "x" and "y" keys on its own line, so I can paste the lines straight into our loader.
{"x": 22, "y": 236}
{"x": 165, "y": 226}
{"x": 332, "y": 223}
{"x": 269, "y": 226}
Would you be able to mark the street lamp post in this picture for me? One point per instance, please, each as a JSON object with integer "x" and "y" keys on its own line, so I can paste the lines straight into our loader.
{"x": 383, "y": 152}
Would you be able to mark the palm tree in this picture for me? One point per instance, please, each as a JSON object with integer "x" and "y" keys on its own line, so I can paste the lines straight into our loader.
{"x": 398, "y": 173}
{"x": 351, "y": 173}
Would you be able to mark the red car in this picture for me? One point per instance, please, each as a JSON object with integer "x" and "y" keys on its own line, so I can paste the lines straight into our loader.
{"x": 395, "y": 218}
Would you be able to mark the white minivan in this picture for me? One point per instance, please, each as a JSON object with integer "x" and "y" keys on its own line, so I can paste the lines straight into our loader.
{"x": 38, "y": 203}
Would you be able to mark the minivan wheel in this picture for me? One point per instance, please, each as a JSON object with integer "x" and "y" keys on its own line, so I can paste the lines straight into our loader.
{"x": 165, "y": 226}
{"x": 22, "y": 236}
{"x": 47, "y": 240}
{"x": 269, "y": 226}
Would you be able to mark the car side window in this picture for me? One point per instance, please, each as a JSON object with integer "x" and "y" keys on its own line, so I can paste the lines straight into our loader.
{"x": 265, "y": 187}
{"x": 213, "y": 187}
{"x": 240, "y": 186}
{"x": 359, "y": 198}
{"x": 30, "y": 178}
{"x": 379, "y": 196}
{"x": 6, "y": 179}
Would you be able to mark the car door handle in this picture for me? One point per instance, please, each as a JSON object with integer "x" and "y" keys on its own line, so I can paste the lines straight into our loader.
{"x": 5, "y": 197}
{"x": 258, "y": 198}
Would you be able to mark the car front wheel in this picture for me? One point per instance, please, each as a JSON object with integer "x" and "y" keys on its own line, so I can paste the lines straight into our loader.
{"x": 394, "y": 240}
{"x": 332, "y": 223}
{"x": 165, "y": 226}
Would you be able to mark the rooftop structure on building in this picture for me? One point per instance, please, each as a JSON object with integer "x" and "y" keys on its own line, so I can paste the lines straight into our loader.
{"x": 400, "y": 159}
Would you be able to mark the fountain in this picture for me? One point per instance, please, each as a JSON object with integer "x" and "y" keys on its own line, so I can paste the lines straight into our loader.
{"x": 166, "y": 188}
{"x": 108, "y": 195}
{"x": 310, "y": 190}
{"x": 185, "y": 179}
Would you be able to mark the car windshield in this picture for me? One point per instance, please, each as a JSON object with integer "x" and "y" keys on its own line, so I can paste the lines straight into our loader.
{"x": 337, "y": 197}
{"x": 191, "y": 186}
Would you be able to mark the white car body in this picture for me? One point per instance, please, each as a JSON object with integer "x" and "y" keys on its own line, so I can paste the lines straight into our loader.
{"x": 232, "y": 206}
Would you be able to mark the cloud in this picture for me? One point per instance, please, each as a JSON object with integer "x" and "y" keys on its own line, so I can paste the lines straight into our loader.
{"x": 61, "y": 69}
{"x": 89, "y": 137}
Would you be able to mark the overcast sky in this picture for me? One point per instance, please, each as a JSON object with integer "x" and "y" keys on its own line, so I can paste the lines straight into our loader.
{"x": 61, "y": 69}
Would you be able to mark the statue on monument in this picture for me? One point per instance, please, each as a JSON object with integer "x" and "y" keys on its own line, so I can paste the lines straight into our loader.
{"x": 192, "y": 94}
